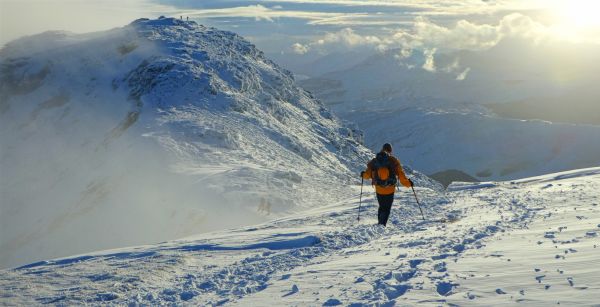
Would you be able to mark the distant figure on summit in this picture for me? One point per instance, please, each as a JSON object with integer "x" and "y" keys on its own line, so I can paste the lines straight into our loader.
{"x": 383, "y": 171}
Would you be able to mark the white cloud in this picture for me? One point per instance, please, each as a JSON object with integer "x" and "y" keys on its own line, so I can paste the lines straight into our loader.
{"x": 349, "y": 38}
{"x": 403, "y": 54}
{"x": 425, "y": 34}
{"x": 363, "y": 19}
{"x": 437, "y": 7}
{"x": 463, "y": 75}
{"x": 343, "y": 39}
{"x": 429, "y": 64}
{"x": 259, "y": 12}
{"x": 395, "y": 12}
{"x": 299, "y": 48}
{"x": 466, "y": 35}
{"x": 431, "y": 39}
{"x": 452, "y": 67}
{"x": 344, "y": 13}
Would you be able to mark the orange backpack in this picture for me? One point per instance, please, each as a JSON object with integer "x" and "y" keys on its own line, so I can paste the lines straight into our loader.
{"x": 383, "y": 170}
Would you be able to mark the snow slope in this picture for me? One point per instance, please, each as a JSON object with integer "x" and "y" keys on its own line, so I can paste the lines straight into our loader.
{"x": 157, "y": 130}
{"x": 472, "y": 140}
{"x": 436, "y": 116}
{"x": 532, "y": 241}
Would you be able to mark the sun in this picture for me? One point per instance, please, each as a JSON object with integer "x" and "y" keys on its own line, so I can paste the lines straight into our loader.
{"x": 577, "y": 13}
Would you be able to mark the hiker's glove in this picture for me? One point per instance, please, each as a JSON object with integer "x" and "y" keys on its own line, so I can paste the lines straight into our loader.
{"x": 362, "y": 174}
{"x": 411, "y": 183}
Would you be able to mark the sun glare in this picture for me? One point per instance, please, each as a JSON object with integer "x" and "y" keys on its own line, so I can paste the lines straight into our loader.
{"x": 578, "y": 13}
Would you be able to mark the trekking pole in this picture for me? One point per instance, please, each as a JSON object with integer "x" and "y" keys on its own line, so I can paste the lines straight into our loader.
{"x": 415, "y": 194}
{"x": 360, "y": 198}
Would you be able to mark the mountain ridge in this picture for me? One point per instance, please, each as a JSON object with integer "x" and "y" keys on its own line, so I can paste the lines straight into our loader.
{"x": 161, "y": 129}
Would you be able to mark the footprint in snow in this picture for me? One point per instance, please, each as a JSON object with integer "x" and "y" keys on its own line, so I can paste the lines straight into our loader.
{"x": 499, "y": 291}
{"x": 401, "y": 276}
{"x": 332, "y": 302}
{"x": 293, "y": 291}
{"x": 286, "y": 276}
{"x": 549, "y": 235}
{"x": 458, "y": 248}
{"x": 539, "y": 278}
{"x": 440, "y": 267}
{"x": 415, "y": 262}
{"x": 188, "y": 295}
{"x": 394, "y": 291}
{"x": 104, "y": 297}
{"x": 445, "y": 288}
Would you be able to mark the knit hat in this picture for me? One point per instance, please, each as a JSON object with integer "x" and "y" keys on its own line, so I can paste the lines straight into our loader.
{"x": 387, "y": 147}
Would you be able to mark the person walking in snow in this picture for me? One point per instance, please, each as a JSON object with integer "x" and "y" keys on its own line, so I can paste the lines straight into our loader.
{"x": 385, "y": 171}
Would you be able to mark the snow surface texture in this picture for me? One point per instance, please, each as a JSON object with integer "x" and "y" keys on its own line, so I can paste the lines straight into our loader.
{"x": 438, "y": 123}
{"x": 157, "y": 130}
{"x": 532, "y": 241}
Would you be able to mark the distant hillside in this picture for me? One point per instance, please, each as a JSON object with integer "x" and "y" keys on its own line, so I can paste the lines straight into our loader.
{"x": 451, "y": 175}
{"x": 438, "y": 119}
{"x": 581, "y": 106}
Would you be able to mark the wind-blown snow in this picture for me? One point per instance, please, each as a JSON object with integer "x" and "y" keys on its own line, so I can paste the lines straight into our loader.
{"x": 153, "y": 131}
{"x": 532, "y": 241}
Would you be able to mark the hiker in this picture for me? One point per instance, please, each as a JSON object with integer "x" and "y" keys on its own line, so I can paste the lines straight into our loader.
{"x": 383, "y": 171}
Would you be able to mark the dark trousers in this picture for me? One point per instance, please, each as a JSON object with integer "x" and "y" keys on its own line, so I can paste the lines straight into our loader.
{"x": 385, "y": 206}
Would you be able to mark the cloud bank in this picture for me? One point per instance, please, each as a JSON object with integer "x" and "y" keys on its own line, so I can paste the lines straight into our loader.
{"x": 258, "y": 12}
{"x": 425, "y": 34}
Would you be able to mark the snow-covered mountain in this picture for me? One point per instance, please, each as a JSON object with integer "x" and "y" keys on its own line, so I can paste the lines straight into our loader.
{"x": 434, "y": 109}
{"x": 153, "y": 131}
{"x": 532, "y": 241}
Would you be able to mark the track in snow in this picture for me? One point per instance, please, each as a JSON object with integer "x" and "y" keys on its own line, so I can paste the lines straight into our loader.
{"x": 320, "y": 257}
